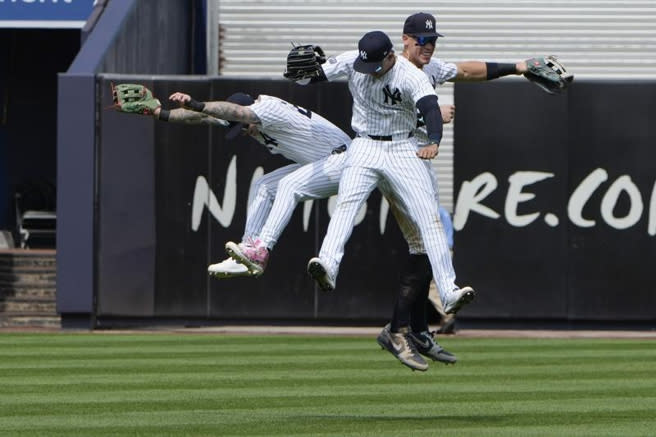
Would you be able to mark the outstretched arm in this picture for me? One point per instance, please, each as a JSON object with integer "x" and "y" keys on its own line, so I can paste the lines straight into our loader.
{"x": 223, "y": 110}
{"x": 479, "y": 71}
{"x": 181, "y": 115}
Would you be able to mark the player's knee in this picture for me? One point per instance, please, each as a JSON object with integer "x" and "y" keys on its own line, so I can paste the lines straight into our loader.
{"x": 265, "y": 189}
{"x": 291, "y": 187}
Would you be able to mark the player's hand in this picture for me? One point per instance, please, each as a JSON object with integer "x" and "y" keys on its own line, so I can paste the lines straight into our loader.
{"x": 180, "y": 98}
{"x": 428, "y": 152}
{"x": 448, "y": 112}
{"x": 521, "y": 67}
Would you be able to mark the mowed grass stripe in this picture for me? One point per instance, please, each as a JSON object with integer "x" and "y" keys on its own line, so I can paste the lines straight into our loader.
{"x": 192, "y": 376}
{"x": 157, "y": 384}
{"x": 286, "y": 420}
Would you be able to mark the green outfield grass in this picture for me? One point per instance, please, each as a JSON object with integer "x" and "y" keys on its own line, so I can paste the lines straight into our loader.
{"x": 99, "y": 384}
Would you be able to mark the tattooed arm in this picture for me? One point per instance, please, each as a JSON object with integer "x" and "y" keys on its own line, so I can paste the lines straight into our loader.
{"x": 181, "y": 115}
{"x": 222, "y": 110}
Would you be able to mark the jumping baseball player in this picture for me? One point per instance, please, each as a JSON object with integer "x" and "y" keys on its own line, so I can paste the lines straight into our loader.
{"x": 419, "y": 40}
{"x": 387, "y": 91}
{"x": 298, "y": 134}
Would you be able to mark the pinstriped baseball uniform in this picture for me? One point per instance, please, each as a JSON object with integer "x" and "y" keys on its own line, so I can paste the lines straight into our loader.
{"x": 385, "y": 107}
{"x": 438, "y": 72}
{"x": 320, "y": 180}
{"x": 297, "y": 134}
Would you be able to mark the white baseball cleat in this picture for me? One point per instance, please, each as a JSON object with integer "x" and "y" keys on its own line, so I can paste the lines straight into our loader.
{"x": 458, "y": 298}
{"x": 228, "y": 268}
{"x": 319, "y": 273}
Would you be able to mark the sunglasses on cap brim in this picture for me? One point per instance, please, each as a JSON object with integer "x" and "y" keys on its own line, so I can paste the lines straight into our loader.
{"x": 423, "y": 40}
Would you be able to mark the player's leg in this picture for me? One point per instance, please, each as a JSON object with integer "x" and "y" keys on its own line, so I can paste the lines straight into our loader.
{"x": 415, "y": 280}
{"x": 411, "y": 178}
{"x": 318, "y": 180}
{"x": 355, "y": 186}
{"x": 413, "y": 237}
{"x": 398, "y": 337}
{"x": 261, "y": 197}
{"x": 260, "y": 200}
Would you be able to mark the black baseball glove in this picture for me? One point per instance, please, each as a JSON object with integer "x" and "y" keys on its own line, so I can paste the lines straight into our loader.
{"x": 548, "y": 73}
{"x": 304, "y": 62}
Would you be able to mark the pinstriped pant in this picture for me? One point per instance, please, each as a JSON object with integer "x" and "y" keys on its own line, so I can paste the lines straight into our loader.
{"x": 261, "y": 198}
{"x": 320, "y": 180}
{"x": 411, "y": 180}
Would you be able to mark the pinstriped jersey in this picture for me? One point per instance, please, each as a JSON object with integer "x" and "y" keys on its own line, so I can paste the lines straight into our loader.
{"x": 296, "y": 133}
{"x": 438, "y": 72}
{"x": 385, "y": 105}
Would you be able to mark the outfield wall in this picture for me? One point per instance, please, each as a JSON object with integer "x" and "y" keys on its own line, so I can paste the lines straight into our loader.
{"x": 556, "y": 207}
{"x": 555, "y": 210}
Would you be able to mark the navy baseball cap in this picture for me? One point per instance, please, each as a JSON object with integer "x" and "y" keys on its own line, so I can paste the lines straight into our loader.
{"x": 234, "y": 127}
{"x": 421, "y": 24}
{"x": 373, "y": 47}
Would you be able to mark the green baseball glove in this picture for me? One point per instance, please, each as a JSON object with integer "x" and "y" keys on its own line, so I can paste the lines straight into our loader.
{"x": 134, "y": 99}
{"x": 548, "y": 73}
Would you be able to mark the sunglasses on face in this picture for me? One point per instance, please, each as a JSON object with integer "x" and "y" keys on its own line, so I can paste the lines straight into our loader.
{"x": 423, "y": 40}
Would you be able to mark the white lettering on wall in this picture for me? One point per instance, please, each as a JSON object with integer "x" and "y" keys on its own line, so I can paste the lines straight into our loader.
{"x": 651, "y": 228}
{"x": 204, "y": 196}
{"x": 471, "y": 200}
{"x": 622, "y": 184}
{"x": 515, "y": 195}
{"x": 473, "y": 193}
{"x": 470, "y": 197}
{"x": 581, "y": 195}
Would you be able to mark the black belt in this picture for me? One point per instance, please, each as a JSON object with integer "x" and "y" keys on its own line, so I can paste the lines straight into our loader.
{"x": 386, "y": 137}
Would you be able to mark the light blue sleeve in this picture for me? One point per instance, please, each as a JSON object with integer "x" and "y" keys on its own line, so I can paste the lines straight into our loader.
{"x": 448, "y": 226}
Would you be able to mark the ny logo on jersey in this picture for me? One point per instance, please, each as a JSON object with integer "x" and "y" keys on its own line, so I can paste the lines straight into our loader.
{"x": 392, "y": 97}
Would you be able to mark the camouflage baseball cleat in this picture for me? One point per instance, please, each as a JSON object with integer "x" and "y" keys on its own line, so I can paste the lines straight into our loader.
{"x": 428, "y": 347}
{"x": 402, "y": 347}
{"x": 253, "y": 254}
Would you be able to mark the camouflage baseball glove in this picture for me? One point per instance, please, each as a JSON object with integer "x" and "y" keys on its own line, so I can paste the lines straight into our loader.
{"x": 548, "y": 73}
{"x": 134, "y": 99}
{"x": 304, "y": 62}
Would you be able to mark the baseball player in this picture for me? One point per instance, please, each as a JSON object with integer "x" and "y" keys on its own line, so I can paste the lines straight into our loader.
{"x": 298, "y": 134}
{"x": 419, "y": 40}
{"x": 387, "y": 91}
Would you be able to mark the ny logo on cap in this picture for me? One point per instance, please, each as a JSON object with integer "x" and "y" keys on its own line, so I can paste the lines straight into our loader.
{"x": 363, "y": 55}
{"x": 429, "y": 24}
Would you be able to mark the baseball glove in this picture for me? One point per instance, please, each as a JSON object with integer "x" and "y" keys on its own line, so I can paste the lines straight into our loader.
{"x": 304, "y": 62}
{"x": 548, "y": 73}
{"x": 134, "y": 99}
